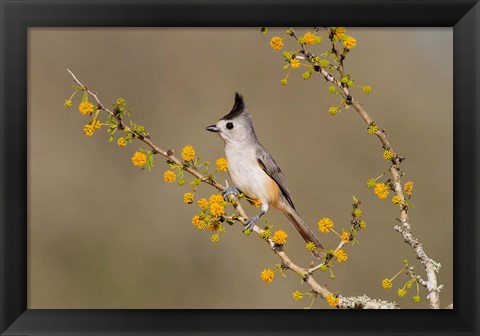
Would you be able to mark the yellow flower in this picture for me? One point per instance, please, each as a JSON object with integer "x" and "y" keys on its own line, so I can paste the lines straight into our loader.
{"x": 195, "y": 220}
{"x": 401, "y": 292}
{"x": 297, "y": 296}
{"x": 396, "y": 200}
{"x": 213, "y": 225}
{"x": 68, "y": 103}
{"x": 295, "y": 63}
{"x": 222, "y": 164}
{"x": 188, "y": 198}
{"x": 341, "y": 256}
{"x": 276, "y": 42}
{"x": 350, "y": 42}
{"x": 362, "y": 225}
{"x": 332, "y": 300}
{"x": 333, "y": 110}
{"x": 357, "y": 213}
{"x": 201, "y": 225}
{"x": 85, "y": 107}
{"x": 283, "y": 82}
{"x": 408, "y": 187}
{"x": 325, "y": 224}
{"x": 381, "y": 190}
{"x": 416, "y": 298}
{"x": 215, "y": 238}
{"x": 169, "y": 176}
{"x": 280, "y": 237}
{"x": 387, "y": 154}
{"x": 372, "y": 129}
{"x": 216, "y": 198}
{"x": 139, "y": 159}
{"x": 324, "y": 63}
{"x": 96, "y": 124}
{"x": 121, "y": 101}
{"x": 267, "y": 275}
{"x": 216, "y": 209}
{"x": 202, "y": 203}
{"x": 367, "y": 89}
{"x": 339, "y": 32}
{"x": 88, "y": 130}
{"x": 309, "y": 38}
{"x": 310, "y": 246}
{"x": 257, "y": 203}
{"x": 345, "y": 236}
{"x": 122, "y": 142}
{"x": 188, "y": 153}
{"x": 386, "y": 283}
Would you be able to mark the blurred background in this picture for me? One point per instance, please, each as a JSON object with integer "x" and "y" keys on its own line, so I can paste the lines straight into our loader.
{"x": 104, "y": 234}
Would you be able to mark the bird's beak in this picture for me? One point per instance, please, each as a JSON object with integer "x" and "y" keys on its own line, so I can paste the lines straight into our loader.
{"x": 213, "y": 128}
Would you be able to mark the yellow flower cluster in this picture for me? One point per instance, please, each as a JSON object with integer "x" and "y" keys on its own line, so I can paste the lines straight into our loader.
{"x": 169, "y": 176}
{"x": 267, "y": 275}
{"x": 367, "y": 89}
{"x": 372, "y": 129}
{"x": 339, "y": 32}
{"x": 202, "y": 203}
{"x": 295, "y": 63}
{"x": 386, "y": 283}
{"x": 280, "y": 237}
{"x": 222, "y": 164}
{"x": 215, "y": 238}
{"x": 332, "y": 300}
{"x": 325, "y": 224}
{"x": 408, "y": 187}
{"x": 139, "y": 159}
{"x": 86, "y": 107}
{"x": 297, "y": 296}
{"x": 188, "y": 153}
{"x": 349, "y": 42}
{"x": 310, "y": 246}
{"x": 188, "y": 198}
{"x": 388, "y": 154}
{"x": 276, "y": 42}
{"x": 216, "y": 209}
{"x": 283, "y": 82}
{"x": 381, "y": 190}
{"x": 362, "y": 225}
{"x": 345, "y": 236}
{"x": 257, "y": 203}
{"x": 68, "y": 103}
{"x": 309, "y": 38}
{"x": 215, "y": 198}
{"x": 341, "y": 256}
{"x": 122, "y": 142}
{"x": 397, "y": 200}
{"x": 88, "y": 130}
{"x": 357, "y": 213}
{"x": 198, "y": 223}
{"x": 333, "y": 110}
{"x": 401, "y": 292}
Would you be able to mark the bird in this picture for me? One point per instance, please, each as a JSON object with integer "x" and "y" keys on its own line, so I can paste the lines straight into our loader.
{"x": 254, "y": 171}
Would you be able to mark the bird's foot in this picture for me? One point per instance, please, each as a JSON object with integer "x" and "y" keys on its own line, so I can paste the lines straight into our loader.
{"x": 251, "y": 223}
{"x": 229, "y": 191}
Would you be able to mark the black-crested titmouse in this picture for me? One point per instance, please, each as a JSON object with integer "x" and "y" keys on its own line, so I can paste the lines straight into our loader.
{"x": 253, "y": 170}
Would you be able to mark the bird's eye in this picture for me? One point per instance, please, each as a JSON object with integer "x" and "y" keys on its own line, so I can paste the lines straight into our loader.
{"x": 229, "y": 125}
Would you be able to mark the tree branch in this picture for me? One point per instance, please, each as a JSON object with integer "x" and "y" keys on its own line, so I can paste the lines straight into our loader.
{"x": 363, "y": 302}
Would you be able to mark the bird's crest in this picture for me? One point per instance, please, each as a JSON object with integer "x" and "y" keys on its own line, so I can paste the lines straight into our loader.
{"x": 237, "y": 109}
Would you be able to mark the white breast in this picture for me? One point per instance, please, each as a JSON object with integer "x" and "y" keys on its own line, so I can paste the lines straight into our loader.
{"x": 246, "y": 173}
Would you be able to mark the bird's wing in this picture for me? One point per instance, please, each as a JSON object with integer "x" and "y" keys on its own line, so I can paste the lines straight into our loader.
{"x": 268, "y": 164}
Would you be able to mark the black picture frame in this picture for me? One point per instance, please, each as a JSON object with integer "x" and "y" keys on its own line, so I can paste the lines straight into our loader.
{"x": 18, "y": 15}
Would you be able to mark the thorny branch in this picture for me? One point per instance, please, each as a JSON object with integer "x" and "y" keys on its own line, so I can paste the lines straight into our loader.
{"x": 404, "y": 228}
{"x": 361, "y": 302}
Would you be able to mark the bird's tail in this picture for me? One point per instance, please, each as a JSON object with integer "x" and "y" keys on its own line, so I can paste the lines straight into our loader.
{"x": 305, "y": 232}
